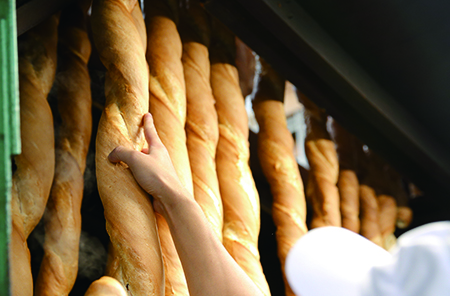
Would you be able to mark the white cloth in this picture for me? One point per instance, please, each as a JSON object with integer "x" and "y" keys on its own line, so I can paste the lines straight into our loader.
{"x": 335, "y": 261}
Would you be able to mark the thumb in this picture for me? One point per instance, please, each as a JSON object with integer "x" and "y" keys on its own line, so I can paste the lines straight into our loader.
{"x": 122, "y": 153}
{"x": 151, "y": 135}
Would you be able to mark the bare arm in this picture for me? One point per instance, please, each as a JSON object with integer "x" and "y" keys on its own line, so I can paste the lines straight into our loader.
{"x": 208, "y": 267}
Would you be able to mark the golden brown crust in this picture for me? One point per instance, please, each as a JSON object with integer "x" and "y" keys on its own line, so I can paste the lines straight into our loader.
{"x": 237, "y": 187}
{"x": 388, "y": 218}
{"x": 105, "y": 286}
{"x": 321, "y": 190}
{"x": 348, "y": 185}
{"x": 201, "y": 125}
{"x": 120, "y": 40}
{"x": 369, "y": 213}
{"x": 372, "y": 183}
{"x": 35, "y": 165}
{"x": 62, "y": 219}
{"x": 275, "y": 151}
{"x": 348, "y": 149}
{"x": 168, "y": 107}
{"x": 404, "y": 212}
{"x": 167, "y": 86}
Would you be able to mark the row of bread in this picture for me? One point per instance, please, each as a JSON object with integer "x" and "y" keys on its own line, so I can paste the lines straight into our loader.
{"x": 179, "y": 64}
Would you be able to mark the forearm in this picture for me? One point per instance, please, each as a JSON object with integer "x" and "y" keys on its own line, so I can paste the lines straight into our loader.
{"x": 208, "y": 267}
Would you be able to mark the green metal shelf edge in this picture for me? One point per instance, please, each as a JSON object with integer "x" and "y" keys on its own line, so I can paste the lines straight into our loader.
{"x": 9, "y": 128}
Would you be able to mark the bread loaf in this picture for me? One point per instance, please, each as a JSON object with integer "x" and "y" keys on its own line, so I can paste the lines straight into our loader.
{"x": 62, "y": 218}
{"x": 371, "y": 179}
{"x": 369, "y": 213}
{"x": 348, "y": 149}
{"x": 202, "y": 128}
{"x": 119, "y": 35}
{"x": 33, "y": 177}
{"x": 276, "y": 155}
{"x": 321, "y": 190}
{"x": 168, "y": 107}
{"x": 237, "y": 187}
{"x": 388, "y": 219}
{"x": 105, "y": 286}
{"x": 404, "y": 212}
{"x": 393, "y": 202}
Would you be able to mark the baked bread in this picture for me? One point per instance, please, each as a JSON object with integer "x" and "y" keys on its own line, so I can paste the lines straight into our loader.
{"x": 348, "y": 149}
{"x": 276, "y": 155}
{"x": 321, "y": 190}
{"x": 237, "y": 187}
{"x": 369, "y": 213}
{"x": 33, "y": 177}
{"x": 119, "y": 35}
{"x": 202, "y": 128}
{"x": 62, "y": 218}
{"x": 106, "y": 286}
{"x": 168, "y": 107}
{"x": 371, "y": 182}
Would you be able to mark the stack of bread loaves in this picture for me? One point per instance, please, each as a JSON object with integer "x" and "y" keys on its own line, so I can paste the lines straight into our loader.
{"x": 172, "y": 59}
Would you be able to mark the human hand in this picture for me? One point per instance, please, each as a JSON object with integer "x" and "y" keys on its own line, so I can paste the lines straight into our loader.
{"x": 152, "y": 168}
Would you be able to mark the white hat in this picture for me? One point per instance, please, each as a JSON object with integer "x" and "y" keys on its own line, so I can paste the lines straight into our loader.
{"x": 335, "y": 261}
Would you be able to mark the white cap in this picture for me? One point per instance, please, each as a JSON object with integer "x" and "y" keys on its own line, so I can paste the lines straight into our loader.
{"x": 335, "y": 261}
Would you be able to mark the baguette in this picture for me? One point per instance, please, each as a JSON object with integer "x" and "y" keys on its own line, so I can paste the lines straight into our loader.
{"x": 202, "y": 128}
{"x": 168, "y": 107}
{"x": 276, "y": 155}
{"x": 106, "y": 286}
{"x": 369, "y": 213}
{"x": 237, "y": 187}
{"x": 348, "y": 149}
{"x": 33, "y": 177}
{"x": 321, "y": 190}
{"x": 369, "y": 190}
{"x": 119, "y": 35}
{"x": 62, "y": 218}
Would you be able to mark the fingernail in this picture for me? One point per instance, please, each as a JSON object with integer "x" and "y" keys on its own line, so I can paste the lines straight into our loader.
{"x": 109, "y": 155}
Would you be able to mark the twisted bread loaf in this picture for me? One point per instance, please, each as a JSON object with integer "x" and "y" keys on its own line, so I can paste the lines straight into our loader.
{"x": 62, "y": 218}
{"x": 105, "y": 286}
{"x": 119, "y": 35}
{"x": 275, "y": 151}
{"x": 369, "y": 208}
{"x": 348, "y": 149}
{"x": 168, "y": 107}
{"x": 321, "y": 190}
{"x": 201, "y": 124}
{"x": 237, "y": 187}
{"x": 404, "y": 212}
{"x": 35, "y": 165}
{"x": 392, "y": 200}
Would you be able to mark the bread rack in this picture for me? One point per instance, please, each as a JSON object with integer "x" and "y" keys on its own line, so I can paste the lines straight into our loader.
{"x": 379, "y": 68}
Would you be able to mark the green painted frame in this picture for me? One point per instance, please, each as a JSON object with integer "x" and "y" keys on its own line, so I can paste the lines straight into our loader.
{"x": 9, "y": 128}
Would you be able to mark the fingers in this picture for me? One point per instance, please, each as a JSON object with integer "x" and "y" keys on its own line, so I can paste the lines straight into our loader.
{"x": 121, "y": 153}
{"x": 151, "y": 135}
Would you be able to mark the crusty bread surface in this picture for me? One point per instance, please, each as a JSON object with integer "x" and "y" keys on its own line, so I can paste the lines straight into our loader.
{"x": 321, "y": 190}
{"x": 237, "y": 187}
{"x": 120, "y": 38}
{"x": 33, "y": 176}
{"x": 62, "y": 218}
{"x": 106, "y": 286}
{"x": 168, "y": 107}
{"x": 202, "y": 128}
{"x": 276, "y": 155}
